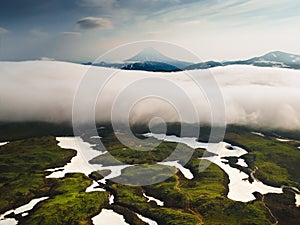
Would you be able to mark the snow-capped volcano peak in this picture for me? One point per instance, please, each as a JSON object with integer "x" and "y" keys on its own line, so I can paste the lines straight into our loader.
{"x": 150, "y": 54}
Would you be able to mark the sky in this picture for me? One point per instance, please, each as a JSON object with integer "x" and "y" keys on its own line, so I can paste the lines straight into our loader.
{"x": 83, "y": 30}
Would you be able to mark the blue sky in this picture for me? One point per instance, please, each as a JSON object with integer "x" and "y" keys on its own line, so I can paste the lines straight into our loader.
{"x": 81, "y": 30}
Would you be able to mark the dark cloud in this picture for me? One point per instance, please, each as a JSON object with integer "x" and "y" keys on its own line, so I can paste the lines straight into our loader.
{"x": 13, "y": 10}
{"x": 88, "y": 23}
{"x": 137, "y": 6}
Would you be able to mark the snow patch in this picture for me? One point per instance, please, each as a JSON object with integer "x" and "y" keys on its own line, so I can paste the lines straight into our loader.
{"x": 23, "y": 210}
{"x": 297, "y": 197}
{"x": 111, "y": 199}
{"x": 79, "y": 163}
{"x": 186, "y": 172}
{"x": 242, "y": 163}
{"x": 3, "y": 143}
{"x": 95, "y": 137}
{"x": 283, "y": 139}
{"x": 146, "y": 220}
{"x": 94, "y": 187}
{"x": 258, "y": 133}
{"x": 149, "y": 198}
{"x": 116, "y": 171}
{"x": 108, "y": 216}
{"x": 240, "y": 189}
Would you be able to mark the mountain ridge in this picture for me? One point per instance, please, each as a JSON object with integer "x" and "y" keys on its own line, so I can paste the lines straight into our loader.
{"x": 149, "y": 59}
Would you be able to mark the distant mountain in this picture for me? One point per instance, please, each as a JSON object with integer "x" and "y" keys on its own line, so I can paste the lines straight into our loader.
{"x": 149, "y": 54}
{"x": 110, "y": 65}
{"x": 151, "y": 66}
{"x": 150, "y": 59}
{"x": 272, "y": 59}
{"x": 152, "y": 55}
{"x": 203, "y": 65}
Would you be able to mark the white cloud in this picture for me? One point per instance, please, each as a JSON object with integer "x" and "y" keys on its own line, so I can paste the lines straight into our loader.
{"x": 3, "y": 30}
{"x": 71, "y": 33}
{"x": 266, "y": 97}
{"x": 38, "y": 33}
{"x": 47, "y": 59}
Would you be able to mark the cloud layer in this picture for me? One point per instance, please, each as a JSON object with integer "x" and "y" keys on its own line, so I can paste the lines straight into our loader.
{"x": 44, "y": 91}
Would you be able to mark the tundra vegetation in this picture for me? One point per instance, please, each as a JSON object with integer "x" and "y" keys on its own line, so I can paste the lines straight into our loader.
{"x": 201, "y": 200}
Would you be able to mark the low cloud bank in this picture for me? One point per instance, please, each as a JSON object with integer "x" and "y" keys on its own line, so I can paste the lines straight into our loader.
{"x": 44, "y": 91}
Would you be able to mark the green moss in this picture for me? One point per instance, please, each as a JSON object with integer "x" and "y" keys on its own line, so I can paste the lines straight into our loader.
{"x": 169, "y": 216}
{"x": 205, "y": 196}
{"x": 145, "y": 174}
{"x": 23, "y": 164}
{"x": 22, "y": 169}
{"x": 277, "y": 163}
{"x": 200, "y": 200}
{"x": 283, "y": 207}
{"x": 141, "y": 155}
{"x": 273, "y": 173}
{"x": 129, "y": 216}
{"x": 69, "y": 203}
